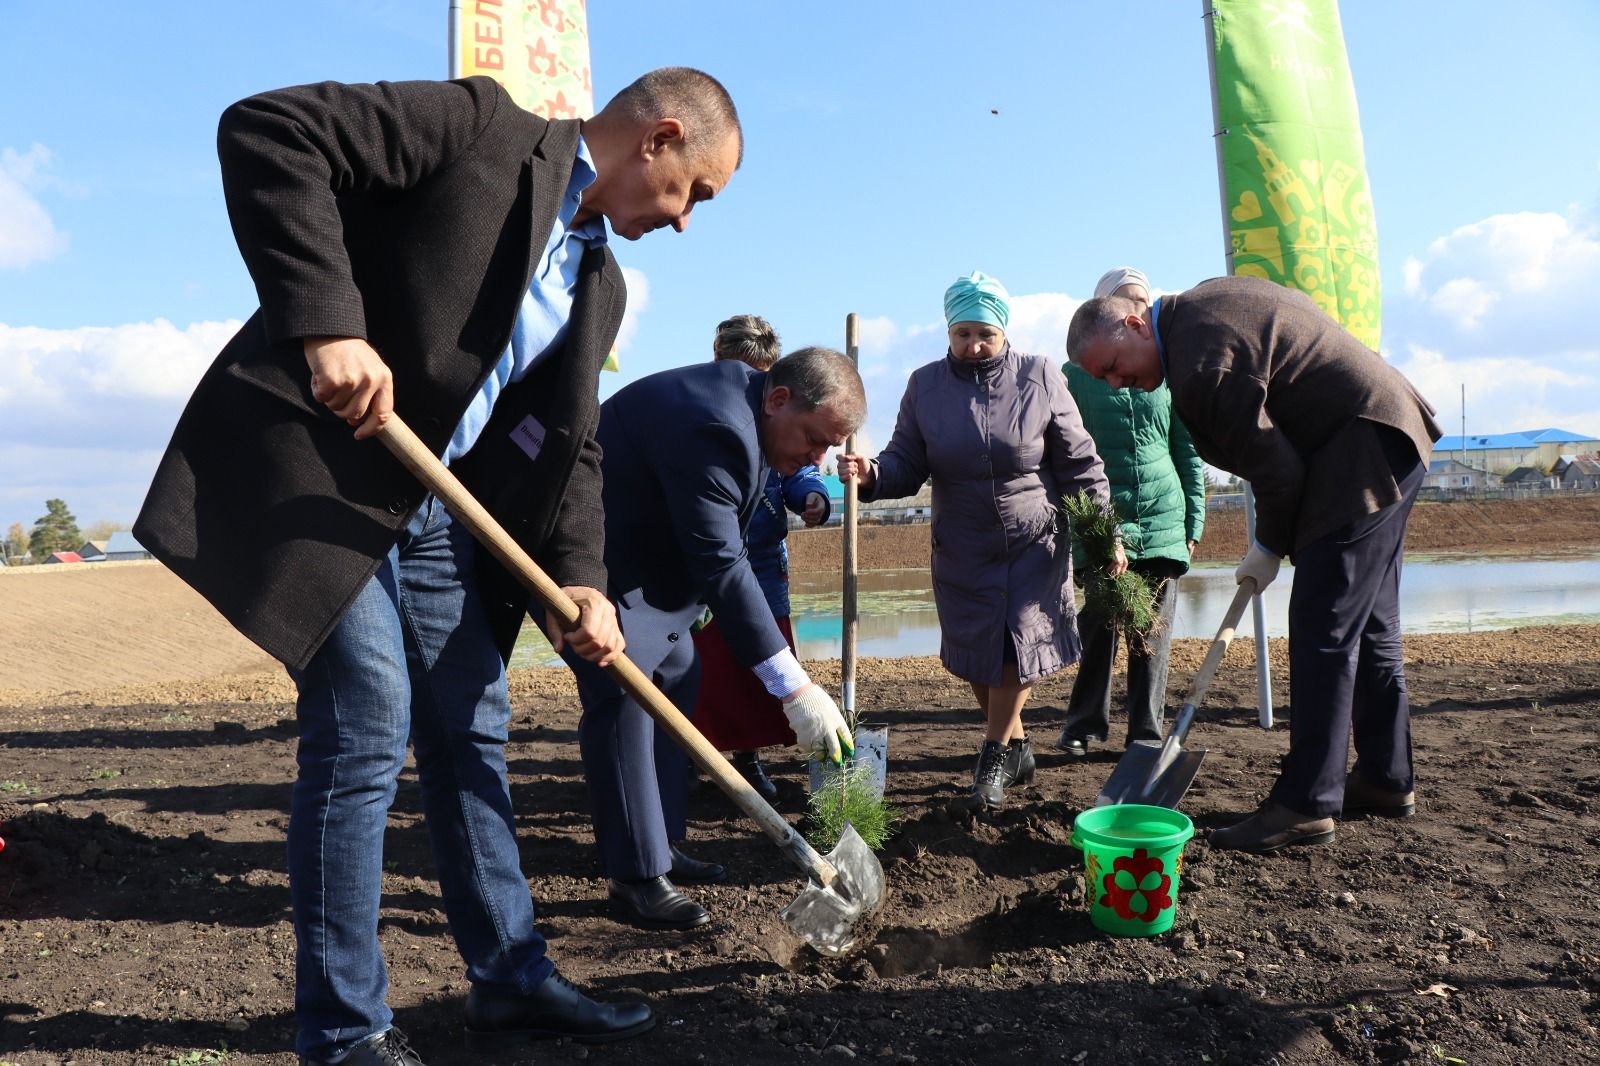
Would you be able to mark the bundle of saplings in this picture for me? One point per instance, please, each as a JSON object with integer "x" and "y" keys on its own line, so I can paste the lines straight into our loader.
{"x": 1126, "y": 601}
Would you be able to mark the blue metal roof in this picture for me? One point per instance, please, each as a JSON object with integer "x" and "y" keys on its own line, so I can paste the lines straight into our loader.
{"x": 1527, "y": 438}
{"x": 123, "y": 541}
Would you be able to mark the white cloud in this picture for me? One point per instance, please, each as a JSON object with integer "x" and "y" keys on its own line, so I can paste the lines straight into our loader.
{"x": 85, "y": 413}
{"x": 1466, "y": 298}
{"x": 1499, "y": 306}
{"x": 638, "y": 300}
{"x": 27, "y": 233}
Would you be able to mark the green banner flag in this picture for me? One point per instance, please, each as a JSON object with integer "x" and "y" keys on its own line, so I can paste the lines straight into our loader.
{"x": 1294, "y": 175}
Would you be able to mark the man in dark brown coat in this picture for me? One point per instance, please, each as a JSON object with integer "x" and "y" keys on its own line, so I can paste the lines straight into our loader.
{"x": 428, "y": 248}
{"x": 1334, "y": 443}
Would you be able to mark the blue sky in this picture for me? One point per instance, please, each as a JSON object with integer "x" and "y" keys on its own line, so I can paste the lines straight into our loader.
{"x": 875, "y": 172}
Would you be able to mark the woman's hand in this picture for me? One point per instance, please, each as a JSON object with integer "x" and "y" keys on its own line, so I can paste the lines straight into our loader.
{"x": 1119, "y": 561}
{"x": 857, "y": 468}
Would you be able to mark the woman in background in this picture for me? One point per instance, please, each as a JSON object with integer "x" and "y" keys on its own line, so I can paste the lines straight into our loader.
{"x": 1000, "y": 435}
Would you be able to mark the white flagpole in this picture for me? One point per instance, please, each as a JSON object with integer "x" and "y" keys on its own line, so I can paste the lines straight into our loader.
{"x": 1258, "y": 611}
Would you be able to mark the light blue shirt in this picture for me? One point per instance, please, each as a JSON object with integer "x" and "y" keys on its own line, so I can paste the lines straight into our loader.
{"x": 546, "y": 306}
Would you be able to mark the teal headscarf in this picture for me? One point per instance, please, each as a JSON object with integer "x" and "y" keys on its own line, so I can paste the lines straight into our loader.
{"x": 977, "y": 298}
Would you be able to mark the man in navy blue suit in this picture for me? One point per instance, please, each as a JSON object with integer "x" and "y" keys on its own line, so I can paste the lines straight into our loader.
{"x": 686, "y": 454}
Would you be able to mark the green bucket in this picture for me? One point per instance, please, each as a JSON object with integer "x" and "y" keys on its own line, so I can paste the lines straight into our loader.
{"x": 1132, "y": 856}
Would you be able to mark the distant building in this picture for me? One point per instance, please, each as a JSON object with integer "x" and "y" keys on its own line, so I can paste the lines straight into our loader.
{"x": 1447, "y": 475}
{"x": 1579, "y": 473}
{"x": 1528, "y": 479}
{"x": 910, "y": 509}
{"x": 93, "y": 551}
{"x": 64, "y": 557}
{"x": 1501, "y": 453}
{"x": 122, "y": 547}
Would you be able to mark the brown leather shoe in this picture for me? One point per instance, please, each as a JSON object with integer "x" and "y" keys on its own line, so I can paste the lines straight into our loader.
{"x": 1272, "y": 827}
{"x": 1361, "y": 797}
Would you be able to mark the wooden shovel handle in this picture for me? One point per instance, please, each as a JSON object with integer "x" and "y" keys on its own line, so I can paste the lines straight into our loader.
{"x": 1219, "y": 646}
{"x": 437, "y": 479}
{"x": 847, "y": 642}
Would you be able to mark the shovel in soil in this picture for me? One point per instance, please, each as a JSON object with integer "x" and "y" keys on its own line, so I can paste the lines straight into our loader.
{"x": 843, "y": 889}
{"x": 1159, "y": 773}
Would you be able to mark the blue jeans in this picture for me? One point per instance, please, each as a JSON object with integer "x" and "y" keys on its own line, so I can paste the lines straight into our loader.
{"x": 412, "y": 658}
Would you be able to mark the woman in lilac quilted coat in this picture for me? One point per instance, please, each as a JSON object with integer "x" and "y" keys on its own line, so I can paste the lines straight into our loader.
{"x": 1000, "y": 436}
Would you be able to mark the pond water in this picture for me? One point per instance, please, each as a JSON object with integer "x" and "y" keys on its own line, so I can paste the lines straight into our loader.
{"x": 898, "y": 617}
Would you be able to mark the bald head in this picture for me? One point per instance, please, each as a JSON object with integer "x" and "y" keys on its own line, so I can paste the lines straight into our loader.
{"x": 691, "y": 96}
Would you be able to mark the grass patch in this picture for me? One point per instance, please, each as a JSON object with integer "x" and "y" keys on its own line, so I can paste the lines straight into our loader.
{"x": 848, "y": 794}
{"x": 208, "y": 1057}
{"x": 104, "y": 775}
{"x": 18, "y": 786}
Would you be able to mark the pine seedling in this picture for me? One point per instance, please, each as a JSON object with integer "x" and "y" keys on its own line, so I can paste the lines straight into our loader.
{"x": 849, "y": 794}
{"x": 1126, "y": 601}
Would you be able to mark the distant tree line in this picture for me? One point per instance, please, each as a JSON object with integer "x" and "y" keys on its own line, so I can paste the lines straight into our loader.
{"x": 55, "y": 531}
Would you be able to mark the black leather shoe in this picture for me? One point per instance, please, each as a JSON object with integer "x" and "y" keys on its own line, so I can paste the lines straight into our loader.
{"x": 750, "y": 766}
{"x": 655, "y": 903}
{"x": 556, "y": 1008}
{"x": 388, "y": 1048}
{"x": 1019, "y": 762}
{"x": 688, "y": 870}
{"x": 1076, "y": 747}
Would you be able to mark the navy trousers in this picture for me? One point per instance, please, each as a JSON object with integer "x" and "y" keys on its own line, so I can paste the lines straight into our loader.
{"x": 1346, "y": 669}
{"x": 638, "y": 777}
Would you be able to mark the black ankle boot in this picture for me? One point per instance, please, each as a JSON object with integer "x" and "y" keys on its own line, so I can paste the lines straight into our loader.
{"x": 749, "y": 764}
{"x": 989, "y": 775}
{"x": 1019, "y": 762}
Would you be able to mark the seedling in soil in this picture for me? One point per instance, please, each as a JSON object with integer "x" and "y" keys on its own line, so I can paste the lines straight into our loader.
{"x": 208, "y": 1057}
{"x": 104, "y": 775}
{"x": 18, "y": 786}
{"x": 1126, "y": 601}
{"x": 848, "y": 794}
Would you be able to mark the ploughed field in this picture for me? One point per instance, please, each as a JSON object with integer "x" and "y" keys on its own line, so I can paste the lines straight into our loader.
{"x": 144, "y": 909}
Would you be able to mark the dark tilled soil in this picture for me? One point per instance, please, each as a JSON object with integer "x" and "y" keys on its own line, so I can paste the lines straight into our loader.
{"x": 144, "y": 911}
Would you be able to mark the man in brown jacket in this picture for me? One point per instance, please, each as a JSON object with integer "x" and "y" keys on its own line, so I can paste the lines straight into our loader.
{"x": 1334, "y": 442}
{"x": 433, "y": 249}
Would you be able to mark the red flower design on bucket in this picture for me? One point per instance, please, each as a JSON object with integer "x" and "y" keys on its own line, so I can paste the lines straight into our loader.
{"x": 1147, "y": 877}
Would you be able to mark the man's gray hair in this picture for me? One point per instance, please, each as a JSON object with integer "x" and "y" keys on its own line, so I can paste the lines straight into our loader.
{"x": 1097, "y": 318}
{"x": 817, "y": 376}
{"x": 693, "y": 97}
{"x": 749, "y": 339}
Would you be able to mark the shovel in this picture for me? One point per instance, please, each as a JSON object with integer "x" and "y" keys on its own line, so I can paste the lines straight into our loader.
{"x": 1159, "y": 773}
{"x": 843, "y": 888}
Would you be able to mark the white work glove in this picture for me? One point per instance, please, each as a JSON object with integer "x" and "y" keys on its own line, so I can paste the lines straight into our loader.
{"x": 817, "y": 723}
{"x": 1259, "y": 564}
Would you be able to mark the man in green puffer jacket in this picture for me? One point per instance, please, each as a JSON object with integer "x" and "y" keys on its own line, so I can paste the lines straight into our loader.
{"x": 1158, "y": 484}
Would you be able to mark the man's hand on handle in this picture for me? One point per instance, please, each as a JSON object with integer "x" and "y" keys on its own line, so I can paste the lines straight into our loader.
{"x": 351, "y": 380}
{"x": 817, "y": 723}
{"x": 1260, "y": 564}
{"x": 596, "y": 638}
{"x": 816, "y": 509}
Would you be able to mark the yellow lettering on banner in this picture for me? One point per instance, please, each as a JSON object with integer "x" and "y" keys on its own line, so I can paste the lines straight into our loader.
{"x": 489, "y": 58}
{"x": 487, "y": 33}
